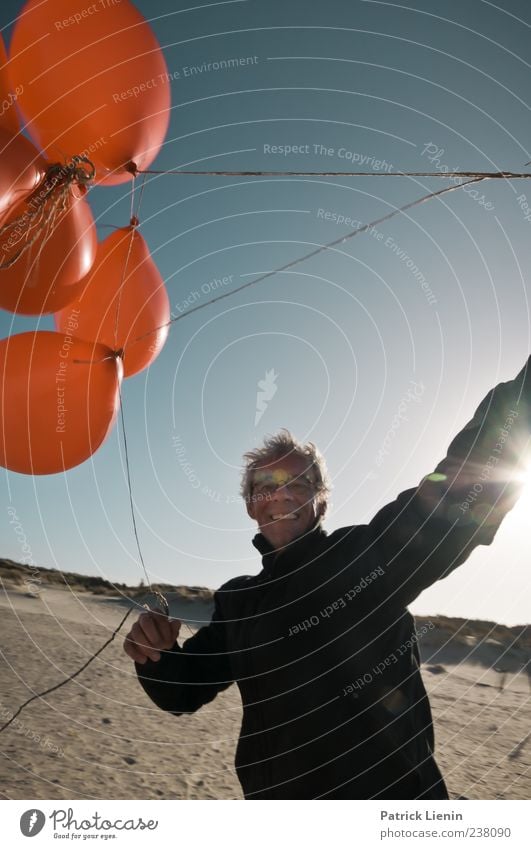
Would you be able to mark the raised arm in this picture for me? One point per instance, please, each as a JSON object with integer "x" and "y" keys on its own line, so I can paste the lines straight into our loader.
{"x": 187, "y": 677}
{"x": 431, "y": 529}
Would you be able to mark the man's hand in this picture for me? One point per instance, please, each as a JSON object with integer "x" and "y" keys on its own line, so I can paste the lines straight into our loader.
{"x": 152, "y": 633}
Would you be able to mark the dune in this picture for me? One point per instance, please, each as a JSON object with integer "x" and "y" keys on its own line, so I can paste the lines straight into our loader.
{"x": 100, "y": 737}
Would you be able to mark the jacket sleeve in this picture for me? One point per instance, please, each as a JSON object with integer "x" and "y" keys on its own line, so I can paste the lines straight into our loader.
{"x": 187, "y": 677}
{"x": 431, "y": 529}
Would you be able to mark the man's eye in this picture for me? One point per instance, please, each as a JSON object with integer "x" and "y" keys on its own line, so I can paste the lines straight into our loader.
{"x": 263, "y": 490}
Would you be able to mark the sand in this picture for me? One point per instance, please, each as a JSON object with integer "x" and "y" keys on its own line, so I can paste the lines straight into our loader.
{"x": 101, "y": 737}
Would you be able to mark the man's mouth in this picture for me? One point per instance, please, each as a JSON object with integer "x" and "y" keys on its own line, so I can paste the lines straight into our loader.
{"x": 278, "y": 516}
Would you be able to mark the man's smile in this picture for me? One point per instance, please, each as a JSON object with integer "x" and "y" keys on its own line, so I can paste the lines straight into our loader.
{"x": 276, "y": 516}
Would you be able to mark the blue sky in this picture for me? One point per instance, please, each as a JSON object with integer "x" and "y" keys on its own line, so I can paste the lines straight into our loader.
{"x": 347, "y": 334}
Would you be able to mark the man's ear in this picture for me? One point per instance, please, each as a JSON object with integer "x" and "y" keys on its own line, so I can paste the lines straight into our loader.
{"x": 250, "y": 509}
{"x": 321, "y": 509}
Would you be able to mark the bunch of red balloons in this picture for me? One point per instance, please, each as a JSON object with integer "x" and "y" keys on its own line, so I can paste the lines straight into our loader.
{"x": 93, "y": 91}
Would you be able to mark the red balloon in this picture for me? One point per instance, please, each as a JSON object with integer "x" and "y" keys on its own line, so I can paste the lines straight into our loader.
{"x": 124, "y": 278}
{"x": 8, "y": 115}
{"x": 97, "y": 84}
{"x": 59, "y": 398}
{"x": 55, "y": 240}
{"x": 21, "y": 171}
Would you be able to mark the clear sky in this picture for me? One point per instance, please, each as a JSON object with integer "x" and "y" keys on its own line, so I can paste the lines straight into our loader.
{"x": 354, "y": 85}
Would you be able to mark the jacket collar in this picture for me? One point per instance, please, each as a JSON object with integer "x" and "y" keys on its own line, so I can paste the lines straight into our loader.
{"x": 289, "y": 557}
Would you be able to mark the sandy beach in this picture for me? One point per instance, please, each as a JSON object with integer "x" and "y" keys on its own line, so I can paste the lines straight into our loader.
{"x": 101, "y": 737}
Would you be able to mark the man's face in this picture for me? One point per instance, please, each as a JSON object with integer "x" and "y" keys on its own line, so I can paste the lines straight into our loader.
{"x": 283, "y": 500}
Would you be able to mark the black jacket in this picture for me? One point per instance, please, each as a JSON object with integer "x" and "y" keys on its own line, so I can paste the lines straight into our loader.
{"x": 321, "y": 644}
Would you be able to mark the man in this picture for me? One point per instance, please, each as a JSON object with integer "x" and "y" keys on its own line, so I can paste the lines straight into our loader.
{"x": 320, "y": 642}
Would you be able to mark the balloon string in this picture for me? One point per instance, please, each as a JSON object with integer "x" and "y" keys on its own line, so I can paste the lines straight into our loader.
{"x": 41, "y": 221}
{"x": 303, "y": 258}
{"x": 120, "y": 353}
{"x": 46, "y": 202}
{"x": 130, "y": 489}
{"x": 142, "y": 187}
{"x": 124, "y": 270}
{"x": 505, "y": 175}
{"x": 154, "y": 591}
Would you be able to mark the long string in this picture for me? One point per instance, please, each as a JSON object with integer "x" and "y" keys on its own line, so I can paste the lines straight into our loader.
{"x": 130, "y": 489}
{"x": 142, "y": 187}
{"x": 134, "y": 218}
{"x": 506, "y": 175}
{"x": 124, "y": 269}
{"x": 70, "y": 677}
{"x": 303, "y": 258}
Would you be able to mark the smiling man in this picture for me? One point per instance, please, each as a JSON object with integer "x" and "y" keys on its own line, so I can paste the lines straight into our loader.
{"x": 287, "y": 496}
{"x": 320, "y": 642}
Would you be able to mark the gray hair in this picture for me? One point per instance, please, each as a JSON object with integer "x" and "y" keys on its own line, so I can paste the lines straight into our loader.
{"x": 284, "y": 444}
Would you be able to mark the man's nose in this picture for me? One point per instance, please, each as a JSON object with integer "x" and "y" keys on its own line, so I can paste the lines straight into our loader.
{"x": 282, "y": 492}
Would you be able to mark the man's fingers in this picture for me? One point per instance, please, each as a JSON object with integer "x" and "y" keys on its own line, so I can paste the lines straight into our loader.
{"x": 135, "y": 654}
{"x": 156, "y": 629}
{"x": 152, "y": 633}
{"x": 141, "y": 644}
{"x": 134, "y": 651}
{"x": 167, "y": 629}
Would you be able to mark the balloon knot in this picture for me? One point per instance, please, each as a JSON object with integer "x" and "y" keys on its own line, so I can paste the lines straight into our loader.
{"x": 134, "y": 221}
{"x": 119, "y": 354}
{"x": 131, "y": 167}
